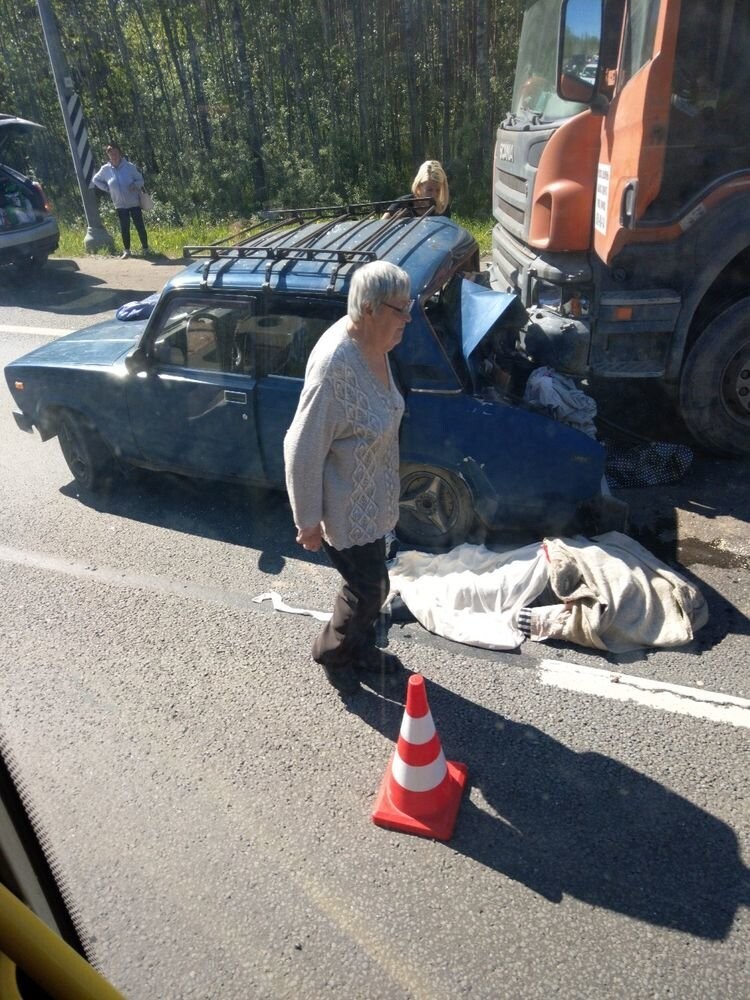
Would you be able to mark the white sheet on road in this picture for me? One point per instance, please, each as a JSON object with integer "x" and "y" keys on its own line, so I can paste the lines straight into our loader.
{"x": 608, "y": 593}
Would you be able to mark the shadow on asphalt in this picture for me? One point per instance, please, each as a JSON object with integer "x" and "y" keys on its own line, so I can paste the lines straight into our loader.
{"x": 580, "y": 824}
{"x": 60, "y": 287}
{"x": 556, "y": 820}
{"x": 261, "y": 519}
{"x": 240, "y": 515}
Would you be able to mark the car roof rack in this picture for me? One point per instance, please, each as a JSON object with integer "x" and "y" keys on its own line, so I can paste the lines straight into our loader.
{"x": 284, "y": 235}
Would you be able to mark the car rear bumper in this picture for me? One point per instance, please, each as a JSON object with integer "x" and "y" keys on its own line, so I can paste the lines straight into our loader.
{"x": 23, "y": 242}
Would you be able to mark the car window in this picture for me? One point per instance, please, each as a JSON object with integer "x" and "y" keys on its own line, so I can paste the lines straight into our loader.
{"x": 202, "y": 344}
{"x": 286, "y": 335}
{"x": 214, "y": 337}
{"x": 230, "y": 336}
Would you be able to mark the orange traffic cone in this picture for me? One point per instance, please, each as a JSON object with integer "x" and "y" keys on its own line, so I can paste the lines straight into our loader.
{"x": 421, "y": 791}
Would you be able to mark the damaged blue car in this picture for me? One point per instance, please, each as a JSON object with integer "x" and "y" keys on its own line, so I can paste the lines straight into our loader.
{"x": 207, "y": 385}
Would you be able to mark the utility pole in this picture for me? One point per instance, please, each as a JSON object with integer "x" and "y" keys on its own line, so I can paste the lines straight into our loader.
{"x": 83, "y": 161}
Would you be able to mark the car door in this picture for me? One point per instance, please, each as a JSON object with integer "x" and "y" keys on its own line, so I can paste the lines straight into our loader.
{"x": 634, "y": 130}
{"x": 193, "y": 409}
{"x": 285, "y": 335}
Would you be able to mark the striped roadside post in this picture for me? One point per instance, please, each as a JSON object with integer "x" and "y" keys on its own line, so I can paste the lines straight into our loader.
{"x": 96, "y": 235}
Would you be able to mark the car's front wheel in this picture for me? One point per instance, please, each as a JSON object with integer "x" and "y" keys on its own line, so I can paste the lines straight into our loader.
{"x": 88, "y": 456}
{"x": 435, "y": 508}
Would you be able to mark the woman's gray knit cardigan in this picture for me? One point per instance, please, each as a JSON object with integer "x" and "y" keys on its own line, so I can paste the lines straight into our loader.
{"x": 341, "y": 450}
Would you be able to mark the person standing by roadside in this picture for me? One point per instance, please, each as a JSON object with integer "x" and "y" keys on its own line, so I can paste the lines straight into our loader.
{"x": 124, "y": 182}
{"x": 342, "y": 466}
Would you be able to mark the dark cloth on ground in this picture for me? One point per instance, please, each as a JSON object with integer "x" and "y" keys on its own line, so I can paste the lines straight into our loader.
{"x": 651, "y": 464}
{"x": 138, "y": 309}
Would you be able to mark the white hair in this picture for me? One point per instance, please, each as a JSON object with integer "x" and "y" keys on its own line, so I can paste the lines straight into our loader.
{"x": 373, "y": 284}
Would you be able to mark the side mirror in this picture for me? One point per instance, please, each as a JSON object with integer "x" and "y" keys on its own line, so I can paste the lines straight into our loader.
{"x": 579, "y": 50}
{"x": 136, "y": 361}
{"x": 575, "y": 88}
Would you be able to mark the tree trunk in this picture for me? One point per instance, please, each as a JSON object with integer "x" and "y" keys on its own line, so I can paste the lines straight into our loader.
{"x": 409, "y": 35}
{"x": 252, "y": 129}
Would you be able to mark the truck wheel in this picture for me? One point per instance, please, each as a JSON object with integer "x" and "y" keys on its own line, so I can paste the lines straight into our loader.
{"x": 435, "y": 509}
{"x": 87, "y": 455}
{"x": 715, "y": 383}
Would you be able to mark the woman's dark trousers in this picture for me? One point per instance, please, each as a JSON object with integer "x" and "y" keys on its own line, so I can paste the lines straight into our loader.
{"x": 351, "y": 630}
{"x": 124, "y": 215}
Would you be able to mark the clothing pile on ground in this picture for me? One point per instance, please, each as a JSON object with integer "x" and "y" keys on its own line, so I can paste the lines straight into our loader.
{"x": 607, "y": 593}
{"x": 138, "y": 308}
{"x": 559, "y": 397}
{"x": 16, "y": 208}
{"x": 653, "y": 463}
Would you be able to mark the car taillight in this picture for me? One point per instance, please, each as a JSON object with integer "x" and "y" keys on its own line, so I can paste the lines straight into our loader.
{"x": 40, "y": 189}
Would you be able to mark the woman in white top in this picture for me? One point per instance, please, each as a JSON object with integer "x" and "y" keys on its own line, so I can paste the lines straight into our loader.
{"x": 124, "y": 182}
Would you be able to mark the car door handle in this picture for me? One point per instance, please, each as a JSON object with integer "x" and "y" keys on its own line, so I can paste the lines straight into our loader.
{"x": 234, "y": 397}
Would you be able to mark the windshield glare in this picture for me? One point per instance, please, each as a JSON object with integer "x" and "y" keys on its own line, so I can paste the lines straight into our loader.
{"x": 534, "y": 92}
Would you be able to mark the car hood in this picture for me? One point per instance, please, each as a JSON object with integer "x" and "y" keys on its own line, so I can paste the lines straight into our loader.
{"x": 102, "y": 344}
{"x": 11, "y": 127}
{"x": 481, "y": 308}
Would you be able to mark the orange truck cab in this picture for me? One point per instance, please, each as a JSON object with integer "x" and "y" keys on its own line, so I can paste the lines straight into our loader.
{"x": 621, "y": 197}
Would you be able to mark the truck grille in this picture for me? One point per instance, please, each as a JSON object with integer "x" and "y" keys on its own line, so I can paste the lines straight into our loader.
{"x": 517, "y": 214}
{"x": 512, "y": 182}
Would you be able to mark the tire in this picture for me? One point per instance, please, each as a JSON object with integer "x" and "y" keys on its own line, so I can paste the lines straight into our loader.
{"x": 715, "y": 384}
{"x": 30, "y": 266}
{"x": 88, "y": 457}
{"x": 435, "y": 508}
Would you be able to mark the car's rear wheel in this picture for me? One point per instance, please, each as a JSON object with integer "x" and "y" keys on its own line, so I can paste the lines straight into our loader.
{"x": 88, "y": 456}
{"x": 28, "y": 266}
{"x": 435, "y": 509}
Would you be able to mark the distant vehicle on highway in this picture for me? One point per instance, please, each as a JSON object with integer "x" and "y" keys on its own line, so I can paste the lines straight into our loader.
{"x": 208, "y": 385}
{"x": 589, "y": 72}
{"x": 28, "y": 228}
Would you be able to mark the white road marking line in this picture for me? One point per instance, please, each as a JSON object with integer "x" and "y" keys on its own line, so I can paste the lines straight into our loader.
{"x": 652, "y": 693}
{"x": 119, "y": 578}
{"x": 34, "y": 331}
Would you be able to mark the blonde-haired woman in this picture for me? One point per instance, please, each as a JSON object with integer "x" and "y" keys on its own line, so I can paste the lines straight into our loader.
{"x": 430, "y": 184}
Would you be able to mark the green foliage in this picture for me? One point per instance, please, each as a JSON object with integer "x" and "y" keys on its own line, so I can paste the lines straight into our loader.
{"x": 229, "y": 106}
{"x": 168, "y": 238}
{"x": 165, "y": 238}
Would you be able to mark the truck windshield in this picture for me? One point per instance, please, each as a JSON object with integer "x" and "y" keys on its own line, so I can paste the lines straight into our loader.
{"x": 535, "y": 95}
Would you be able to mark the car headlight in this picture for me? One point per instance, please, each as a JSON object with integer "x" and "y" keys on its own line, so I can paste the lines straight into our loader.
{"x": 549, "y": 295}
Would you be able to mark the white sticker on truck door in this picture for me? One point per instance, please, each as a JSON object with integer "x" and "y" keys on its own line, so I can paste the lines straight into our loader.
{"x": 602, "y": 198}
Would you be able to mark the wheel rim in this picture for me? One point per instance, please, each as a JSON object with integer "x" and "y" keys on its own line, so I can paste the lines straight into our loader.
{"x": 736, "y": 383}
{"x": 429, "y": 504}
{"x": 75, "y": 451}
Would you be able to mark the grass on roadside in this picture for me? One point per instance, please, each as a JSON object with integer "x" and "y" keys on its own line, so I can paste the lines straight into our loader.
{"x": 168, "y": 239}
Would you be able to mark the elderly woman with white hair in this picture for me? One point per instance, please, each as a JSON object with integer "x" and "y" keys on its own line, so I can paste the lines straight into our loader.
{"x": 342, "y": 466}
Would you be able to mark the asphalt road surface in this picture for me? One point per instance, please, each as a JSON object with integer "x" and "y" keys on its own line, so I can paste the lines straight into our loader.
{"x": 207, "y": 795}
